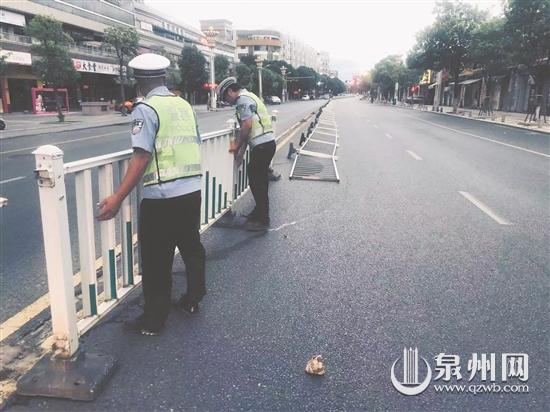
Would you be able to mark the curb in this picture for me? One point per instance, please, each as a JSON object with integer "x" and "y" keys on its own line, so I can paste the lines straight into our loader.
{"x": 474, "y": 119}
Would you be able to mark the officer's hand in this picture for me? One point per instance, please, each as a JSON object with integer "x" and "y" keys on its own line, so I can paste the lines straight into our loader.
{"x": 108, "y": 208}
{"x": 239, "y": 155}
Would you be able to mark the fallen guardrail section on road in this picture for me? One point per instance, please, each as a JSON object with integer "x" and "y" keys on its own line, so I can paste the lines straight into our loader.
{"x": 316, "y": 159}
{"x": 68, "y": 371}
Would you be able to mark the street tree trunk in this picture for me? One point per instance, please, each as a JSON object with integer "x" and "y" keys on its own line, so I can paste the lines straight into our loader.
{"x": 58, "y": 106}
{"x": 122, "y": 91}
{"x": 456, "y": 92}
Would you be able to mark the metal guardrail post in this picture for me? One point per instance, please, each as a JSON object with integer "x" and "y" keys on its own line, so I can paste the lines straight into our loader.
{"x": 50, "y": 175}
{"x": 67, "y": 372}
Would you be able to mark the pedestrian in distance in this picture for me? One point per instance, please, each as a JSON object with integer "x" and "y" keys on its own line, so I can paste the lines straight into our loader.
{"x": 166, "y": 157}
{"x": 256, "y": 131}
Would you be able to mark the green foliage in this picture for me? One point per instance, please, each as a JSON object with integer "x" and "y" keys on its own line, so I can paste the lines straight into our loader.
{"x": 307, "y": 78}
{"x": 244, "y": 75}
{"x": 387, "y": 72}
{"x": 54, "y": 65}
{"x": 335, "y": 85}
{"x": 193, "y": 71}
{"x": 124, "y": 41}
{"x": 491, "y": 47}
{"x": 447, "y": 42}
{"x": 528, "y": 25}
{"x": 221, "y": 67}
{"x": 272, "y": 83}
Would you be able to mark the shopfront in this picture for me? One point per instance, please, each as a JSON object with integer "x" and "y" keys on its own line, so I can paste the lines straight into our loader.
{"x": 17, "y": 82}
{"x": 97, "y": 81}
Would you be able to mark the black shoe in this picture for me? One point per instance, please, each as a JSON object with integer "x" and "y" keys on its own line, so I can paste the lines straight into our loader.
{"x": 140, "y": 325}
{"x": 185, "y": 304}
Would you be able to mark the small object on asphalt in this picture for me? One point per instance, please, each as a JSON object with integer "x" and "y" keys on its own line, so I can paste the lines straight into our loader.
{"x": 316, "y": 366}
{"x": 291, "y": 150}
{"x": 3, "y": 201}
{"x": 302, "y": 139}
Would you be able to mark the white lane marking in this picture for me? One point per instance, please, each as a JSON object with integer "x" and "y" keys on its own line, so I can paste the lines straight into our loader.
{"x": 389, "y": 136}
{"x": 484, "y": 208}
{"x": 13, "y": 179}
{"x": 483, "y": 138}
{"x": 283, "y": 226}
{"x": 414, "y": 155}
{"x": 60, "y": 143}
{"x": 375, "y": 126}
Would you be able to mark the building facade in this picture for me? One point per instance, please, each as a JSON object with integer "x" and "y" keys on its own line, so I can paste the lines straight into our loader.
{"x": 262, "y": 44}
{"x": 323, "y": 63}
{"x": 85, "y": 21}
{"x": 275, "y": 45}
{"x": 298, "y": 53}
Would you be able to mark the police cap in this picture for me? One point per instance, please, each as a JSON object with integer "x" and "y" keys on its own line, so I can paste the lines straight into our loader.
{"x": 224, "y": 84}
{"x": 149, "y": 65}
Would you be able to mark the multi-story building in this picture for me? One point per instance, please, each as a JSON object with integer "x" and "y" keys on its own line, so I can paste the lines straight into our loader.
{"x": 298, "y": 53}
{"x": 85, "y": 21}
{"x": 274, "y": 45}
{"x": 263, "y": 44}
{"x": 323, "y": 63}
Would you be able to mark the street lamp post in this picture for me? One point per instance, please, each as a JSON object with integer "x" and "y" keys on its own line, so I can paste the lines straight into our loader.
{"x": 211, "y": 38}
{"x": 260, "y": 63}
{"x": 283, "y": 72}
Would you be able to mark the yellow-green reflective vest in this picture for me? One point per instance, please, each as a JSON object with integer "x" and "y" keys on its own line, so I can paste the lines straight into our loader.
{"x": 261, "y": 122}
{"x": 177, "y": 144}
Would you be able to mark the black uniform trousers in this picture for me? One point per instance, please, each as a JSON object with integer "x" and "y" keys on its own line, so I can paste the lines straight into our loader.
{"x": 165, "y": 224}
{"x": 258, "y": 177}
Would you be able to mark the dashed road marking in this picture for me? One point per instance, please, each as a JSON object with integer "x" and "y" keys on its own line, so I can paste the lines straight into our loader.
{"x": 483, "y": 138}
{"x": 13, "y": 179}
{"x": 375, "y": 126}
{"x": 485, "y": 209}
{"x": 389, "y": 136}
{"x": 414, "y": 155}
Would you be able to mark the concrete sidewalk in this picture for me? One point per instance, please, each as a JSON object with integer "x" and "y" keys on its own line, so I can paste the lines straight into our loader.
{"x": 510, "y": 119}
{"x": 22, "y": 124}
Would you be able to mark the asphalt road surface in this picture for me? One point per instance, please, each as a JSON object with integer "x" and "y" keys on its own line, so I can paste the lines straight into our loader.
{"x": 436, "y": 238}
{"x": 22, "y": 272}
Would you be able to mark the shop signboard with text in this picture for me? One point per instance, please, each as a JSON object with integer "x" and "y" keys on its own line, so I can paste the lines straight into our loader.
{"x": 88, "y": 66}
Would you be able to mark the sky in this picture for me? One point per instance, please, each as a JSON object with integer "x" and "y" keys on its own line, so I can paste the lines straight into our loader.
{"x": 357, "y": 34}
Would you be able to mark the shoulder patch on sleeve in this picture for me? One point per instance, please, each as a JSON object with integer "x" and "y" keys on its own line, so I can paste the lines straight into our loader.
{"x": 137, "y": 125}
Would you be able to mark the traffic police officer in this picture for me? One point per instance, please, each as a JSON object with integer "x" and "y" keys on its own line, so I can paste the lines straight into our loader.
{"x": 166, "y": 144}
{"x": 256, "y": 131}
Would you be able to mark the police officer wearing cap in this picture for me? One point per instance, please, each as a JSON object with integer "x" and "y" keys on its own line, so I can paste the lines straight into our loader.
{"x": 256, "y": 130}
{"x": 166, "y": 145}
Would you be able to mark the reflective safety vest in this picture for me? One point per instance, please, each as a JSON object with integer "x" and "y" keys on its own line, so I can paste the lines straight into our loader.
{"x": 177, "y": 152}
{"x": 261, "y": 122}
